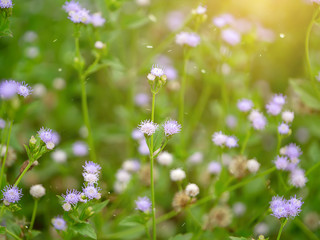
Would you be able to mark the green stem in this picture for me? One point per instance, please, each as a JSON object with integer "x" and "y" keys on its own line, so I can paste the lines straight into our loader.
{"x": 23, "y": 173}
{"x": 307, "y": 40}
{"x": 147, "y": 231}
{"x": 34, "y": 213}
{"x": 151, "y": 173}
{"x": 5, "y": 156}
{"x": 245, "y": 142}
{"x": 281, "y": 228}
{"x": 279, "y": 143}
{"x": 13, "y": 235}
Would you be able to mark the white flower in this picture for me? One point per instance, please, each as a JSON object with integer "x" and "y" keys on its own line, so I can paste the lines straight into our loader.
{"x": 253, "y": 165}
{"x": 239, "y": 208}
{"x": 165, "y": 158}
{"x": 50, "y": 145}
{"x": 148, "y": 127}
{"x": 219, "y": 138}
{"x": 177, "y": 175}
{"x": 192, "y": 190}
{"x": 66, "y": 207}
{"x": 123, "y": 176}
{"x": 59, "y": 156}
{"x": 90, "y": 178}
{"x": 151, "y": 77}
{"x": 99, "y": 45}
{"x": 287, "y": 116}
{"x": 37, "y": 191}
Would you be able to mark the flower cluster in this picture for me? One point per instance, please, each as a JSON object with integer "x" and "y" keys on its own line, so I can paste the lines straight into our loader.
{"x": 11, "y": 194}
{"x": 274, "y": 107}
{"x": 170, "y": 127}
{"x": 143, "y": 204}
{"x": 59, "y": 223}
{"x": 6, "y": 4}
{"x": 48, "y": 137}
{"x": 257, "y": 119}
{"x": 9, "y": 88}
{"x": 90, "y": 190}
{"x": 78, "y": 14}
{"x": 189, "y": 39}
{"x": 220, "y": 139}
{"x": 282, "y": 208}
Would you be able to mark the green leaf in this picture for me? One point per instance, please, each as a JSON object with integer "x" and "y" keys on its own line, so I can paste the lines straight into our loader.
{"x": 85, "y": 229}
{"x": 35, "y": 233}
{"x": 94, "y": 68}
{"x": 158, "y": 139}
{"x": 187, "y": 236}
{"x": 132, "y": 221}
{"x": 306, "y": 93}
{"x": 2, "y": 230}
{"x": 98, "y": 207}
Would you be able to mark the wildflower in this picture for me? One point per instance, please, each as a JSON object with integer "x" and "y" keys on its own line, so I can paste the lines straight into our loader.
{"x": 192, "y": 190}
{"x": 151, "y": 77}
{"x": 45, "y": 134}
{"x": 219, "y": 138}
{"x": 222, "y": 20}
{"x": 59, "y": 156}
{"x": 91, "y": 192}
{"x": 298, "y": 178}
{"x": 195, "y": 158}
{"x": 294, "y": 206}
{"x": 80, "y": 16}
{"x": 131, "y": 165}
{"x": 281, "y": 163}
{"x": 253, "y": 165}
{"x": 123, "y": 176}
{"x": 283, "y": 129}
{"x": 238, "y": 167}
{"x": 231, "y": 142}
{"x": 171, "y": 127}
{"x": 287, "y": 116}
{"x": 143, "y": 148}
{"x": 279, "y": 99}
{"x": 80, "y": 148}
{"x": 97, "y": 20}
{"x": 6, "y": 4}
{"x": 239, "y": 208}
{"x": 11, "y": 194}
{"x": 8, "y": 89}
{"x": 177, "y": 175}
{"x": 143, "y": 204}
{"x": 90, "y": 178}
{"x": 2, "y": 123}
{"x": 200, "y": 10}
{"x": 71, "y": 6}
{"x": 165, "y": 158}
{"x": 157, "y": 71}
{"x": 175, "y": 20}
{"x": 24, "y": 89}
{"x": 171, "y": 73}
{"x": 147, "y": 127}
{"x": 37, "y": 191}
{"x": 261, "y": 228}
{"x": 66, "y": 207}
{"x": 143, "y": 2}
{"x": 99, "y": 45}
{"x": 91, "y": 167}
{"x": 282, "y": 208}
{"x": 59, "y": 223}
{"x": 231, "y": 121}
{"x": 273, "y": 108}
{"x": 136, "y": 134}
{"x": 293, "y": 151}
{"x": 186, "y": 38}
{"x": 245, "y": 105}
{"x": 50, "y": 145}
{"x": 220, "y": 216}
{"x": 55, "y": 138}
{"x": 214, "y": 167}
{"x": 71, "y": 197}
{"x": 231, "y": 36}
{"x": 258, "y": 120}
{"x": 141, "y": 99}
{"x": 180, "y": 200}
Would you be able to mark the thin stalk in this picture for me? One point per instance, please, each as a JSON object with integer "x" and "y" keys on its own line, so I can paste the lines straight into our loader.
{"x": 13, "y": 235}
{"x": 33, "y": 214}
{"x": 147, "y": 231}
{"x": 154, "y": 234}
{"x": 245, "y": 142}
{"x": 307, "y": 41}
{"x": 23, "y": 173}
{"x": 281, "y": 228}
{"x": 5, "y": 156}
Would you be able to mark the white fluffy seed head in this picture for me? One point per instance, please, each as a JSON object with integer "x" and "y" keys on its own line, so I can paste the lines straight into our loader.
{"x": 283, "y": 150}
{"x": 37, "y": 191}
{"x": 177, "y": 175}
{"x": 66, "y": 207}
{"x": 192, "y": 190}
{"x": 288, "y": 116}
{"x": 253, "y": 165}
{"x": 165, "y": 158}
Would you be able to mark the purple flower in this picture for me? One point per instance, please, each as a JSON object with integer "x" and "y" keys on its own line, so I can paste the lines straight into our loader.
{"x": 11, "y": 194}
{"x": 294, "y": 206}
{"x": 231, "y": 36}
{"x": 190, "y": 39}
{"x": 8, "y": 89}
{"x": 141, "y": 99}
{"x": 143, "y": 147}
{"x": 282, "y": 208}
{"x": 59, "y": 223}
{"x": 214, "y": 167}
{"x": 91, "y": 167}
{"x": 222, "y": 20}
{"x": 279, "y": 99}
{"x": 45, "y": 134}
{"x": 283, "y": 129}
{"x": 97, "y": 20}
{"x": 72, "y": 196}
{"x": 90, "y": 178}
{"x": 258, "y": 120}
{"x": 24, "y": 89}
{"x": 157, "y": 70}
{"x": 80, "y": 148}
{"x": 175, "y": 20}
{"x": 298, "y": 178}
{"x": 232, "y": 142}
{"x": 2, "y": 123}
{"x": 171, "y": 127}
{"x": 81, "y": 16}
{"x": 171, "y": 73}
{"x": 219, "y": 139}
{"x": 273, "y": 108}
{"x": 71, "y": 6}
{"x": 281, "y": 163}
{"x": 293, "y": 151}
{"x": 245, "y": 105}
{"x": 148, "y": 127}
{"x": 6, "y": 4}
{"x": 143, "y": 204}
{"x": 91, "y": 192}
{"x": 55, "y": 138}
{"x": 136, "y": 134}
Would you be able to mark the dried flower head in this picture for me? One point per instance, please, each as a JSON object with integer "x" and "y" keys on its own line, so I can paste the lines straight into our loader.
{"x": 180, "y": 200}
{"x": 238, "y": 167}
